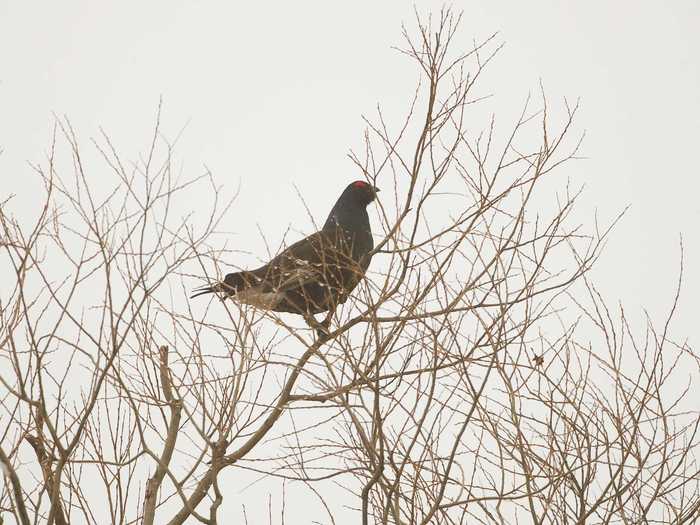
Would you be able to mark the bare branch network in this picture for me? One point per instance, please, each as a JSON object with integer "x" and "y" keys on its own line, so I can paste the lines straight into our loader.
{"x": 475, "y": 376}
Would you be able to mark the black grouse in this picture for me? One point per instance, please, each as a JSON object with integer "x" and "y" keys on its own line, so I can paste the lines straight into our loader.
{"x": 317, "y": 273}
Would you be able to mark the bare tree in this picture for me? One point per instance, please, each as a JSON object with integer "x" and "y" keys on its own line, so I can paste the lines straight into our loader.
{"x": 476, "y": 376}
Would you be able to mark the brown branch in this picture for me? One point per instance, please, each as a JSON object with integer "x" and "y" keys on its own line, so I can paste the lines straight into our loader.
{"x": 18, "y": 499}
{"x": 154, "y": 483}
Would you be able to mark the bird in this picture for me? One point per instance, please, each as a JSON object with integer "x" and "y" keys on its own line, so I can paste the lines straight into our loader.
{"x": 315, "y": 274}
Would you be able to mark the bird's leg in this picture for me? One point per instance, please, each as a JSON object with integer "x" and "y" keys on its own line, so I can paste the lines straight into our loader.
{"x": 326, "y": 323}
{"x": 322, "y": 330}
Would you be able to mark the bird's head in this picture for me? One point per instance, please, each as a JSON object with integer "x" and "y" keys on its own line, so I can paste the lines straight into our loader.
{"x": 359, "y": 193}
{"x": 349, "y": 212}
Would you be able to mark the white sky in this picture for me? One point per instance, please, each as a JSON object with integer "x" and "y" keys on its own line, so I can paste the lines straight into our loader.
{"x": 273, "y": 94}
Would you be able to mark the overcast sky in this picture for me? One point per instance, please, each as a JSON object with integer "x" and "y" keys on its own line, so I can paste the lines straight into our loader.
{"x": 272, "y": 95}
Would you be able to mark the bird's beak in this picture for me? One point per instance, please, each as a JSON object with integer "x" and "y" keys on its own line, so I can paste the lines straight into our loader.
{"x": 376, "y": 190}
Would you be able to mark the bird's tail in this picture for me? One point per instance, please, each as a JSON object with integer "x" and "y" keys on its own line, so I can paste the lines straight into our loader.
{"x": 205, "y": 290}
{"x": 232, "y": 283}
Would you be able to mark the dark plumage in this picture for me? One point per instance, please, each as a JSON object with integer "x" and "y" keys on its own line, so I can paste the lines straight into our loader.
{"x": 317, "y": 273}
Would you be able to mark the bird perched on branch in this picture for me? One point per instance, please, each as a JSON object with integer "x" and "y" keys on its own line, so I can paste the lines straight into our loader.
{"x": 315, "y": 274}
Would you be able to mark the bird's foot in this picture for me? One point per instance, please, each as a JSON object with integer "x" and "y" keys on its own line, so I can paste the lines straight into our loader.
{"x": 323, "y": 330}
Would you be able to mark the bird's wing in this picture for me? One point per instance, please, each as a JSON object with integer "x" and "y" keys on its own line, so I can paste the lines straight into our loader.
{"x": 303, "y": 262}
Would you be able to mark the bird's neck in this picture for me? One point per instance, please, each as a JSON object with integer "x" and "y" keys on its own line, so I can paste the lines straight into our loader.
{"x": 350, "y": 218}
